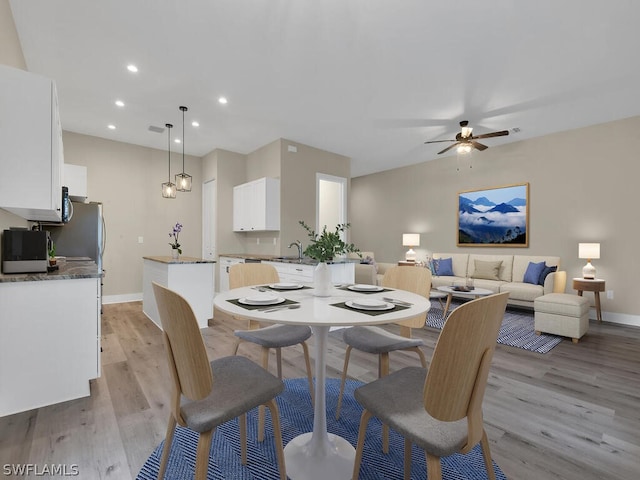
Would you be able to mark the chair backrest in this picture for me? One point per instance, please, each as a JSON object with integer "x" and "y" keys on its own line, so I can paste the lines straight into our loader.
{"x": 247, "y": 274}
{"x": 188, "y": 361}
{"x": 412, "y": 279}
{"x": 459, "y": 368}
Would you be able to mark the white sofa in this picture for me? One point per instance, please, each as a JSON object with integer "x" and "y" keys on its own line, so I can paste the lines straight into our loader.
{"x": 370, "y": 274}
{"x": 510, "y": 275}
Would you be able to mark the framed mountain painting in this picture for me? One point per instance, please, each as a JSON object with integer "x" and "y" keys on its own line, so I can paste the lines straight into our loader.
{"x": 495, "y": 217}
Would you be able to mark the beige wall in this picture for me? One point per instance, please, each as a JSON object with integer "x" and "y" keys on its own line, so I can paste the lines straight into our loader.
{"x": 127, "y": 180}
{"x": 581, "y": 189}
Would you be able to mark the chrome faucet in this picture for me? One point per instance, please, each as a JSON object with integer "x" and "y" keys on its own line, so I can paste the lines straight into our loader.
{"x": 298, "y": 244}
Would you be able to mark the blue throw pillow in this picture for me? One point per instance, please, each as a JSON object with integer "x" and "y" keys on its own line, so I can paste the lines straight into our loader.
{"x": 546, "y": 271}
{"x": 433, "y": 266}
{"x": 445, "y": 267}
{"x": 532, "y": 275}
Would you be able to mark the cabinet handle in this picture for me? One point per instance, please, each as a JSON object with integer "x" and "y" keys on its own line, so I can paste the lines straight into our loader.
{"x": 299, "y": 270}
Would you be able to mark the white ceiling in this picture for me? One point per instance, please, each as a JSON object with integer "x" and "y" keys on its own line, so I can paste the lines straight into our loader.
{"x": 369, "y": 79}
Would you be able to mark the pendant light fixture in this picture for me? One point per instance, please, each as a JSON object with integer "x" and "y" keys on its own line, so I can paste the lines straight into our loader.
{"x": 168, "y": 188}
{"x": 183, "y": 180}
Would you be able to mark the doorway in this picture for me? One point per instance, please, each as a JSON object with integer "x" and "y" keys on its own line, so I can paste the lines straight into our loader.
{"x": 331, "y": 202}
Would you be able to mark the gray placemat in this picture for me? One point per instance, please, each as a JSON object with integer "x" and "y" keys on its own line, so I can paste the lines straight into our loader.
{"x": 236, "y": 301}
{"x": 369, "y": 312}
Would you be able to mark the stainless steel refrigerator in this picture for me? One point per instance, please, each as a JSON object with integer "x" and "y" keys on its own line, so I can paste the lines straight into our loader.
{"x": 83, "y": 237}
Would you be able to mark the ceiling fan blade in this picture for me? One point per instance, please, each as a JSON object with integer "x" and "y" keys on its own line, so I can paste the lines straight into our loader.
{"x": 501, "y": 133}
{"x": 478, "y": 146}
{"x": 448, "y": 148}
{"x": 439, "y": 141}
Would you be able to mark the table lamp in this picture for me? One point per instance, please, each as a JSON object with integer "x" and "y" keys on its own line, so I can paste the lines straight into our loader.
{"x": 589, "y": 251}
{"x": 410, "y": 240}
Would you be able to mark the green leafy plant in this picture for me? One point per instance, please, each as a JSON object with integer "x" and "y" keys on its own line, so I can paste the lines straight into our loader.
{"x": 327, "y": 245}
{"x": 52, "y": 250}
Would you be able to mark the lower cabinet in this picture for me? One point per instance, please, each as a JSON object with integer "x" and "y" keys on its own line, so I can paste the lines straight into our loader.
{"x": 49, "y": 342}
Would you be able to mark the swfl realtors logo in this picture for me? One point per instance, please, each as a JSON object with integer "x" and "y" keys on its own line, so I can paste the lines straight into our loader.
{"x": 24, "y": 469}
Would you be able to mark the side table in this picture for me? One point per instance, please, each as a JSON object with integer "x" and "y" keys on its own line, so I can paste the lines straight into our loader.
{"x": 406, "y": 263}
{"x": 586, "y": 285}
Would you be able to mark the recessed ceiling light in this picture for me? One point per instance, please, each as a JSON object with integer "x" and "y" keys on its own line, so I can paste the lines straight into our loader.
{"x": 177, "y": 140}
{"x": 222, "y": 100}
{"x": 111, "y": 127}
{"x": 195, "y": 124}
{"x": 132, "y": 68}
{"x": 120, "y": 103}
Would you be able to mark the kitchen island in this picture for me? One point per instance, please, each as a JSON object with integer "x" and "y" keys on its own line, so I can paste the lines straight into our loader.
{"x": 49, "y": 335}
{"x": 193, "y": 278}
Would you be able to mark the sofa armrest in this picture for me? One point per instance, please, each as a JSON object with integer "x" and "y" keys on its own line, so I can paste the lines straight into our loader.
{"x": 555, "y": 282}
{"x": 365, "y": 273}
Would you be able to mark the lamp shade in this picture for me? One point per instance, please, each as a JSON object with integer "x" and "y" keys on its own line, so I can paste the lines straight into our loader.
{"x": 589, "y": 250}
{"x": 410, "y": 239}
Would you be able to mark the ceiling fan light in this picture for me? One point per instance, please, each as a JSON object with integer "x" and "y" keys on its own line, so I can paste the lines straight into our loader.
{"x": 464, "y": 148}
{"x": 466, "y": 132}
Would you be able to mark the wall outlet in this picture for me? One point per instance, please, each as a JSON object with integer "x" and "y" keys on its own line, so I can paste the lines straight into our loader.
{"x": 258, "y": 241}
{"x": 274, "y": 240}
{"x": 610, "y": 294}
{"x": 140, "y": 239}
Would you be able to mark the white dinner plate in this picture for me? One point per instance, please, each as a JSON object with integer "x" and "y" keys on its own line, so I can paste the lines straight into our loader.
{"x": 363, "y": 287}
{"x": 261, "y": 300}
{"x": 286, "y": 286}
{"x": 369, "y": 304}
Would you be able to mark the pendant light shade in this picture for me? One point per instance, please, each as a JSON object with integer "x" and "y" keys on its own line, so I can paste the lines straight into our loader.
{"x": 183, "y": 180}
{"x": 168, "y": 188}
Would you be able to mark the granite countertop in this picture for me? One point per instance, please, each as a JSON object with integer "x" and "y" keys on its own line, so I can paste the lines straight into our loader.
{"x": 67, "y": 270}
{"x": 282, "y": 259}
{"x": 179, "y": 261}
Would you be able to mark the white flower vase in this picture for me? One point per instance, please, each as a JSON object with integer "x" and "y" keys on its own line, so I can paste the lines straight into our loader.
{"x": 175, "y": 254}
{"x": 322, "y": 280}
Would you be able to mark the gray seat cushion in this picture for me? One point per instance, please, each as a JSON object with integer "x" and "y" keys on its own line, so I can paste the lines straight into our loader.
{"x": 377, "y": 340}
{"x": 238, "y": 386}
{"x": 396, "y": 400}
{"x": 276, "y": 336}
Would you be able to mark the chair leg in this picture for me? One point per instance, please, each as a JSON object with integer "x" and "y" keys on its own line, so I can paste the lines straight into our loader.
{"x": 407, "y": 459}
{"x": 265, "y": 365}
{"x": 305, "y": 348}
{"x": 236, "y": 344}
{"x": 277, "y": 434}
{"x": 383, "y": 371}
{"x": 279, "y": 362}
{"x": 434, "y": 469}
{"x": 486, "y": 453}
{"x": 343, "y": 380}
{"x": 243, "y": 438}
{"x": 171, "y": 428}
{"x": 202, "y": 455}
{"x": 362, "y": 432}
{"x": 420, "y": 353}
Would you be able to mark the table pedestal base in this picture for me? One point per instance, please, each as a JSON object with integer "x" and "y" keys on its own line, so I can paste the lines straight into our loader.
{"x": 334, "y": 461}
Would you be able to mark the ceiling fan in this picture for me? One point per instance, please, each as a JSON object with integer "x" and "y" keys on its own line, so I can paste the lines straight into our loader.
{"x": 465, "y": 141}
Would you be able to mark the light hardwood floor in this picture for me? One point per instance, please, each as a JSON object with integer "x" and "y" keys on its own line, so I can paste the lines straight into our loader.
{"x": 572, "y": 414}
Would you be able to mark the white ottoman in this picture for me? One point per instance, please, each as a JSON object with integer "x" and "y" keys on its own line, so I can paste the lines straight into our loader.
{"x": 561, "y": 314}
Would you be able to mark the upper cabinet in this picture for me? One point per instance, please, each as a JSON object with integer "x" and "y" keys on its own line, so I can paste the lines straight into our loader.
{"x": 31, "y": 157}
{"x": 256, "y": 205}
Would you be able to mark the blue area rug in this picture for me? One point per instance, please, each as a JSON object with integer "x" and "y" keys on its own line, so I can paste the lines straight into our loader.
{"x": 516, "y": 330}
{"x": 297, "y": 417}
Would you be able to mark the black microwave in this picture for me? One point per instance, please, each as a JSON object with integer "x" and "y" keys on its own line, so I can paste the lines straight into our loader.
{"x": 24, "y": 251}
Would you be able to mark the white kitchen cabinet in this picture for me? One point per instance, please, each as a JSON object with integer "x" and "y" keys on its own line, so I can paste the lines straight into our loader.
{"x": 256, "y": 205}
{"x": 75, "y": 179}
{"x": 31, "y": 154}
{"x": 301, "y": 273}
{"x": 225, "y": 263}
{"x": 49, "y": 341}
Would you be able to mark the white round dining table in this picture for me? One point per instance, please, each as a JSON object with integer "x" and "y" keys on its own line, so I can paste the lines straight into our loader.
{"x": 319, "y": 455}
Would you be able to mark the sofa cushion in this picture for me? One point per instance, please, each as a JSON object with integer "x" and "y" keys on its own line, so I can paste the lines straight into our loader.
{"x": 525, "y": 292}
{"x": 546, "y": 271}
{"x": 459, "y": 261}
{"x": 532, "y": 274}
{"x": 521, "y": 262}
{"x": 487, "y": 270}
{"x": 504, "y": 273}
{"x": 444, "y": 267}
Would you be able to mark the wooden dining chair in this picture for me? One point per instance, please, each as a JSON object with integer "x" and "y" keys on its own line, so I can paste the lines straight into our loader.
{"x": 440, "y": 410}
{"x": 273, "y": 336}
{"x": 207, "y": 394}
{"x": 381, "y": 342}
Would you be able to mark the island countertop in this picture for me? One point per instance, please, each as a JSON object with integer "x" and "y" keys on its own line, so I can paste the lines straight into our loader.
{"x": 180, "y": 260}
{"x": 67, "y": 270}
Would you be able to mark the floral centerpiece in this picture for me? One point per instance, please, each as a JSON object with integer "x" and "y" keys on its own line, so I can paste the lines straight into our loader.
{"x": 327, "y": 245}
{"x": 324, "y": 247}
{"x": 174, "y": 234}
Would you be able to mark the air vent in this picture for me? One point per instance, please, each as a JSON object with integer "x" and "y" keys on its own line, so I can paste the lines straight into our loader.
{"x": 516, "y": 130}
{"x": 153, "y": 128}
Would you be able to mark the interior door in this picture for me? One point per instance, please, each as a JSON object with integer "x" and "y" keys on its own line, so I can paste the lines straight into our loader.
{"x": 209, "y": 220}
{"x": 331, "y": 202}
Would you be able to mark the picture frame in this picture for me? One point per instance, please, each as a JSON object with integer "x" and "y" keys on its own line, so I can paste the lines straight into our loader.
{"x": 494, "y": 217}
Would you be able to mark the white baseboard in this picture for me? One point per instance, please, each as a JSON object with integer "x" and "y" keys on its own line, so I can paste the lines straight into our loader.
{"x": 621, "y": 318}
{"x": 129, "y": 297}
